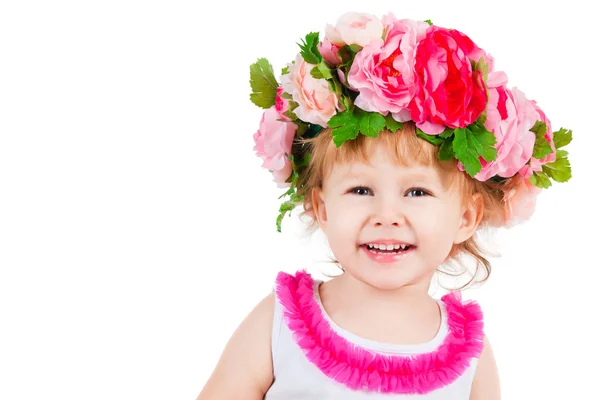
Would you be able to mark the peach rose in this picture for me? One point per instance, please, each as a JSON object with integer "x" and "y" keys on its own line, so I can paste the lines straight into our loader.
{"x": 316, "y": 102}
{"x": 355, "y": 28}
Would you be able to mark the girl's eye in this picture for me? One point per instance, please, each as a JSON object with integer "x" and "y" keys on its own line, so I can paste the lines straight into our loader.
{"x": 361, "y": 191}
{"x": 364, "y": 191}
{"x": 417, "y": 192}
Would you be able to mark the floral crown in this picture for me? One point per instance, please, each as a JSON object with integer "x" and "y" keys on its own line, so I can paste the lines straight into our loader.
{"x": 370, "y": 74}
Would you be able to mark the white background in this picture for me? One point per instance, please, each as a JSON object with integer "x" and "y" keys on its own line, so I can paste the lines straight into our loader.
{"x": 137, "y": 227}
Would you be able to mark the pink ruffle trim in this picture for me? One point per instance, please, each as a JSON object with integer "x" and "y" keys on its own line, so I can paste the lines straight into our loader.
{"x": 364, "y": 369}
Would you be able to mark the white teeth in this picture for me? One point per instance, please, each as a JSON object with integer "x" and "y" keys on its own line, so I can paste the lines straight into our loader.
{"x": 388, "y": 246}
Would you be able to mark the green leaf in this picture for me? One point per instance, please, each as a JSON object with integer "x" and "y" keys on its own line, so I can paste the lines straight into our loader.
{"x": 371, "y": 123}
{"x": 559, "y": 170}
{"x": 263, "y": 83}
{"x": 482, "y": 141}
{"x": 446, "y": 152}
{"x": 429, "y": 22}
{"x": 325, "y": 70}
{"x": 345, "y": 127}
{"x": 309, "y": 49}
{"x": 482, "y": 117}
{"x": 346, "y": 55}
{"x": 315, "y": 73}
{"x": 284, "y": 209}
{"x": 292, "y": 105}
{"x": 321, "y": 71}
{"x": 540, "y": 179}
{"x": 561, "y": 153}
{"x": 285, "y": 70}
{"x": 464, "y": 151}
{"x": 341, "y": 118}
{"x": 447, "y": 133}
{"x": 433, "y": 139}
{"x": 355, "y": 48}
{"x": 562, "y": 137}
{"x": 346, "y": 102}
{"x": 482, "y": 66}
{"x": 542, "y": 146}
{"x": 302, "y": 127}
{"x": 343, "y": 133}
{"x": 289, "y": 192}
{"x": 391, "y": 124}
{"x": 296, "y": 198}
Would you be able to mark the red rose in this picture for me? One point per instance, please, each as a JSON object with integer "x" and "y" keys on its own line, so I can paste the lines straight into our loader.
{"x": 449, "y": 93}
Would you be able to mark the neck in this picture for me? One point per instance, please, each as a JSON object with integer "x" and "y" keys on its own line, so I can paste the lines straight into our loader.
{"x": 354, "y": 291}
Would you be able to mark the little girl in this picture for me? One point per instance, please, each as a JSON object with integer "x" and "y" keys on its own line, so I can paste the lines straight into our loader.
{"x": 400, "y": 140}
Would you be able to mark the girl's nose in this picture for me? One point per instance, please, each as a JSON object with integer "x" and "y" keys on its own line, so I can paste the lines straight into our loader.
{"x": 388, "y": 213}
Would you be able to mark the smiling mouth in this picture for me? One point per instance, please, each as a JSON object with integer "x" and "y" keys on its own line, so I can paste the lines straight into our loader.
{"x": 388, "y": 249}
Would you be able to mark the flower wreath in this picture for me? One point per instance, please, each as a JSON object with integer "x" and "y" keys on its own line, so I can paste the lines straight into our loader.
{"x": 370, "y": 74}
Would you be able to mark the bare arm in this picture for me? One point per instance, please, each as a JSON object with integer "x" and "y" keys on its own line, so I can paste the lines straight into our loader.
{"x": 245, "y": 369}
{"x": 486, "y": 384}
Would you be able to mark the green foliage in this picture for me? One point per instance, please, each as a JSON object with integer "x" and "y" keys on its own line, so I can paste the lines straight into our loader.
{"x": 263, "y": 83}
{"x": 294, "y": 198}
{"x": 446, "y": 152}
{"x": 562, "y": 137}
{"x": 309, "y": 50}
{"x": 473, "y": 142}
{"x": 560, "y": 169}
{"x": 433, "y": 139}
{"x": 321, "y": 71}
{"x": 542, "y": 146}
{"x": 391, "y": 124}
{"x": 371, "y": 123}
{"x": 540, "y": 179}
{"x": 345, "y": 127}
{"x": 348, "y": 124}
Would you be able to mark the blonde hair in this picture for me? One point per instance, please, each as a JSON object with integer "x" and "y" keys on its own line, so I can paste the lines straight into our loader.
{"x": 404, "y": 147}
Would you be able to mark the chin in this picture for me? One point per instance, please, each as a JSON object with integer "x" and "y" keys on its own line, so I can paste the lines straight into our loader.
{"x": 387, "y": 277}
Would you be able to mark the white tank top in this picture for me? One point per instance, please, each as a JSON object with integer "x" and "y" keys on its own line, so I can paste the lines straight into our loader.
{"x": 310, "y": 366}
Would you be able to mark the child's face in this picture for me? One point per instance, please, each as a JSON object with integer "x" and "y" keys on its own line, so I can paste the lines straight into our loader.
{"x": 363, "y": 204}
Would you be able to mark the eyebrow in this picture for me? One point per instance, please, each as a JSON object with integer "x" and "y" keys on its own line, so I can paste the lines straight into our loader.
{"x": 412, "y": 174}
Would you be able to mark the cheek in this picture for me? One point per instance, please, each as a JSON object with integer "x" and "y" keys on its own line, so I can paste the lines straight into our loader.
{"x": 439, "y": 222}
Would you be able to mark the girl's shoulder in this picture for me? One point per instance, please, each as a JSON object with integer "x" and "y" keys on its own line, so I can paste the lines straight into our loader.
{"x": 244, "y": 369}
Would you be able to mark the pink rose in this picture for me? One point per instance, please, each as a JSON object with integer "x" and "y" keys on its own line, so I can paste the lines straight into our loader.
{"x": 281, "y": 104}
{"x": 449, "y": 93}
{"x": 329, "y": 51}
{"x": 510, "y": 122}
{"x": 316, "y": 102}
{"x": 519, "y": 203}
{"x": 383, "y": 70}
{"x": 273, "y": 141}
{"x": 535, "y": 165}
{"x": 355, "y": 28}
